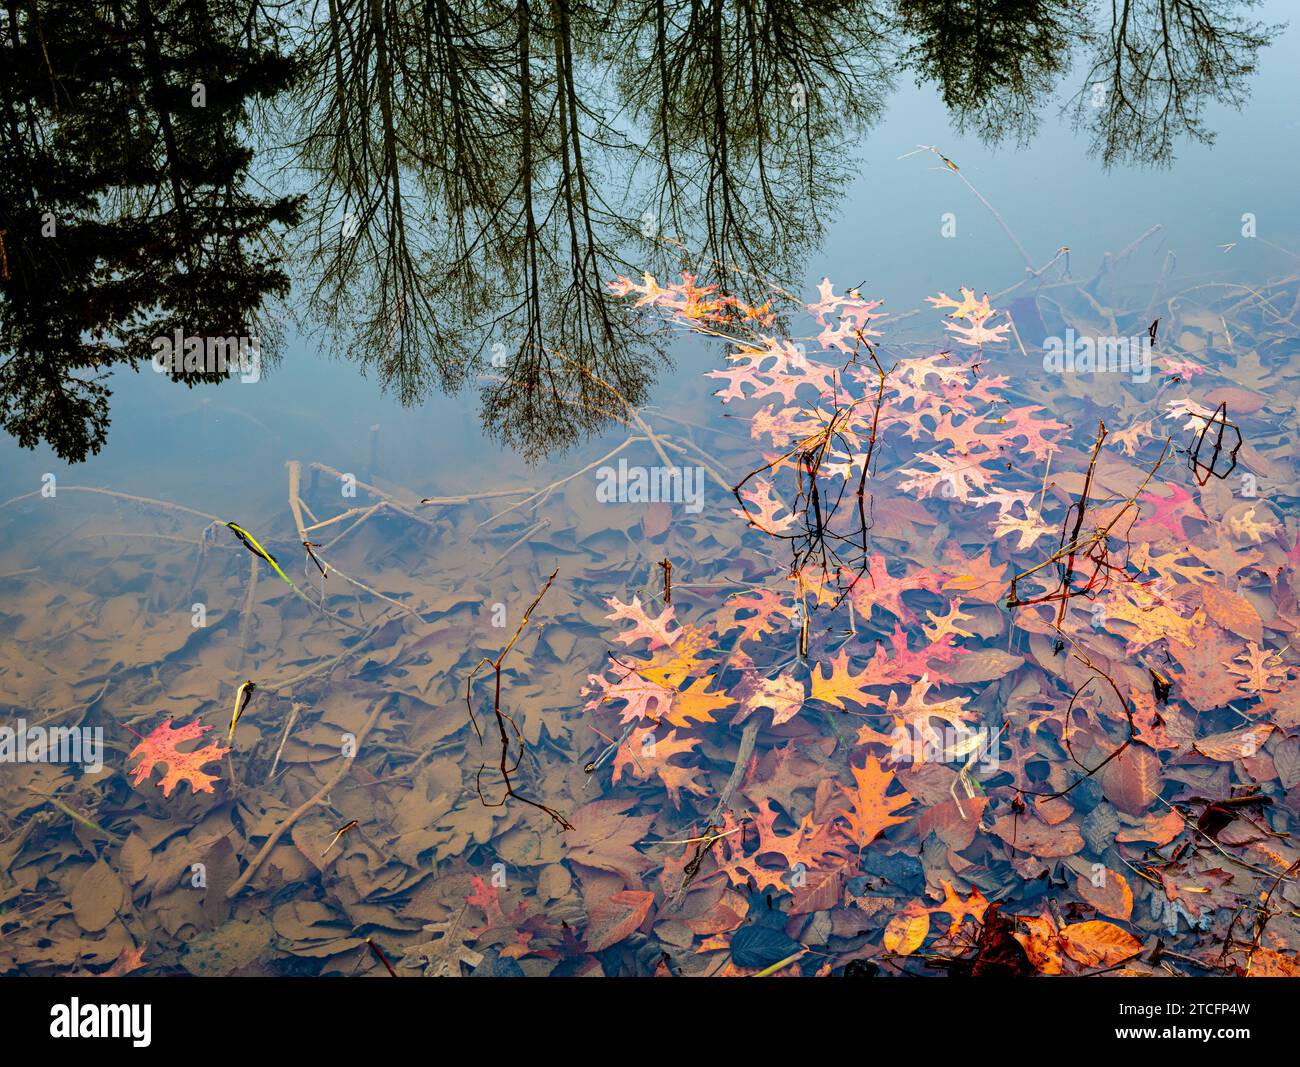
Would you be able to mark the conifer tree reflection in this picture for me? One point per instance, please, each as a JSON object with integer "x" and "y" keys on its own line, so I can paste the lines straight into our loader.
{"x": 124, "y": 201}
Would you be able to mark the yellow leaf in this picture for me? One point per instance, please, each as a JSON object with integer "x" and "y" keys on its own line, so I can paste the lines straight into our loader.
{"x": 1098, "y": 944}
{"x": 906, "y": 931}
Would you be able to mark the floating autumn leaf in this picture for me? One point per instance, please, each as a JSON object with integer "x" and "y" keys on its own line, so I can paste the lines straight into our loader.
{"x": 696, "y": 705}
{"x": 604, "y": 836}
{"x": 872, "y": 809}
{"x": 1250, "y": 525}
{"x": 616, "y": 917}
{"x": 1158, "y": 827}
{"x": 1098, "y": 944}
{"x": 1233, "y": 612}
{"x": 642, "y": 700}
{"x": 1261, "y": 670}
{"x": 1042, "y": 943}
{"x": 1265, "y": 963}
{"x": 655, "y": 630}
{"x": 161, "y": 747}
{"x": 646, "y": 754}
{"x": 1131, "y": 781}
{"x": 1234, "y": 744}
{"x": 1030, "y": 835}
{"x": 915, "y": 714}
{"x": 1170, "y": 510}
{"x": 957, "y": 909}
{"x": 1026, "y": 425}
{"x": 907, "y": 930}
{"x": 975, "y": 314}
{"x": 1028, "y": 529}
{"x": 783, "y": 695}
{"x": 758, "y": 612}
{"x": 1108, "y": 892}
{"x": 841, "y": 684}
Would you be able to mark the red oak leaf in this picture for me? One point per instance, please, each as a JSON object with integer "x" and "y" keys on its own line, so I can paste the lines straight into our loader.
{"x": 1169, "y": 512}
{"x": 654, "y": 630}
{"x": 160, "y": 747}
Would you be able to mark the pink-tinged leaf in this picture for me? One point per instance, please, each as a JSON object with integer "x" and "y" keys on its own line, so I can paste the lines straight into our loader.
{"x": 654, "y": 630}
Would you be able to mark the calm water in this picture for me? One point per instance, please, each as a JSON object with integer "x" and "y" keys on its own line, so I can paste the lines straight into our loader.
{"x": 404, "y": 876}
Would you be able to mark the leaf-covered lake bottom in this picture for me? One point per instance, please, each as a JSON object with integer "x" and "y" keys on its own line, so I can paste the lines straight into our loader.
{"x": 952, "y": 641}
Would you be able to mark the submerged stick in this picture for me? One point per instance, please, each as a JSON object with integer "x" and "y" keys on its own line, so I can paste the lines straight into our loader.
{"x": 502, "y": 719}
{"x": 320, "y": 794}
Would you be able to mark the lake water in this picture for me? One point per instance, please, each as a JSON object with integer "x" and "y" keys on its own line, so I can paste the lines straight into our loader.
{"x": 119, "y": 613}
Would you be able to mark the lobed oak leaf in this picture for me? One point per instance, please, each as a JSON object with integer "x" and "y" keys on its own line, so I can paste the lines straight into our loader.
{"x": 1029, "y": 529}
{"x": 1247, "y": 527}
{"x": 1263, "y": 670}
{"x": 161, "y": 747}
{"x": 757, "y": 612}
{"x": 653, "y": 630}
{"x": 954, "y": 477}
{"x": 642, "y": 699}
{"x": 878, "y": 588}
{"x": 957, "y": 909}
{"x": 945, "y": 625}
{"x": 915, "y": 714}
{"x": 696, "y": 705}
{"x": 841, "y": 684}
{"x": 1203, "y": 682}
{"x": 645, "y": 755}
{"x": 763, "y": 508}
{"x": 872, "y": 808}
{"x": 1170, "y": 512}
{"x": 1024, "y": 423}
{"x": 783, "y": 695}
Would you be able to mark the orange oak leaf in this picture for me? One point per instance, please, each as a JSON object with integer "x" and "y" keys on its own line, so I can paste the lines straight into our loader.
{"x": 1263, "y": 670}
{"x": 757, "y": 612}
{"x": 128, "y": 960}
{"x": 646, "y": 754}
{"x": 841, "y": 684}
{"x": 161, "y": 747}
{"x": 957, "y": 909}
{"x": 872, "y": 809}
